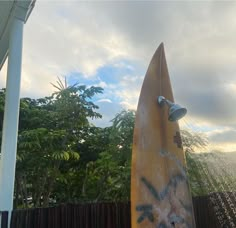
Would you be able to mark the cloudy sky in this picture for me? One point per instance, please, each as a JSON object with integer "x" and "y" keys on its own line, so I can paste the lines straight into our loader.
{"x": 110, "y": 44}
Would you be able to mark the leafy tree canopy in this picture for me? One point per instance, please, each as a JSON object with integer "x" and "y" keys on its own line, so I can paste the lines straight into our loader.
{"x": 63, "y": 158}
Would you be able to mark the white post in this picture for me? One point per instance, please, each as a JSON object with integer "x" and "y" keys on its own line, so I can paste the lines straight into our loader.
{"x": 11, "y": 116}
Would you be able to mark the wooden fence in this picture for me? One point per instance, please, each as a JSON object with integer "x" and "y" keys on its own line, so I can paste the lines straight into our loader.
{"x": 3, "y": 219}
{"x": 101, "y": 215}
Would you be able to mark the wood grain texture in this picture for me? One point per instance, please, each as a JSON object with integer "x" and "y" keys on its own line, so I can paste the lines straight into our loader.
{"x": 160, "y": 195}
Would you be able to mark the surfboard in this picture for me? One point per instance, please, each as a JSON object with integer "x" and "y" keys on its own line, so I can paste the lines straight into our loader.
{"x": 160, "y": 196}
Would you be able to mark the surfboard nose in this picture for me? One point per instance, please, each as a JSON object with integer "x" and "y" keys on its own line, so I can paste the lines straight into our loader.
{"x": 161, "y": 47}
{"x": 159, "y": 53}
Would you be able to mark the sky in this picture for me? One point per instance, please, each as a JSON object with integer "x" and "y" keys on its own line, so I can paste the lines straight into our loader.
{"x": 110, "y": 44}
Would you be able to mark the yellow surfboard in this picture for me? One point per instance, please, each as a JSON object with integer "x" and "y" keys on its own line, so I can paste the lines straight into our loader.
{"x": 160, "y": 196}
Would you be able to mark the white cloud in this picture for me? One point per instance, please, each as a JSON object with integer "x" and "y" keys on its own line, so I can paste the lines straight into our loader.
{"x": 227, "y": 135}
{"x": 61, "y": 38}
{"x": 199, "y": 37}
{"x": 102, "y": 84}
{"x": 128, "y": 90}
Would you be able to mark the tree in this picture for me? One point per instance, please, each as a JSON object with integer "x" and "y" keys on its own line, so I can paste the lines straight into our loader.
{"x": 49, "y": 131}
{"x": 108, "y": 177}
{"x": 107, "y": 160}
{"x": 193, "y": 142}
{"x": 63, "y": 158}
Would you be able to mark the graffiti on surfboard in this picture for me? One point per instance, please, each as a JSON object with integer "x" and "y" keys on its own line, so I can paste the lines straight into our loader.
{"x": 172, "y": 207}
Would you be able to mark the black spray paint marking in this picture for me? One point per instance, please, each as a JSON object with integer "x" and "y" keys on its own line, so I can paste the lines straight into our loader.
{"x": 172, "y": 157}
{"x": 174, "y": 181}
{"x": 162, "y": 225}
{"x": 160, "y": 196}
{"x": 151, "y": 188}
{"x": 173, "y": 219}
{"x": 147, "y": 212}
{"x": 176, "y": 219}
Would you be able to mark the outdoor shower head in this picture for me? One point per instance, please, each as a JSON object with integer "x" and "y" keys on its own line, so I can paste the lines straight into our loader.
{"x": 176, "y": 112}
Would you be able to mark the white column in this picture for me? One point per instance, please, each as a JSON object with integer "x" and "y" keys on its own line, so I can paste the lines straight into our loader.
{"x": 11, "y": 116}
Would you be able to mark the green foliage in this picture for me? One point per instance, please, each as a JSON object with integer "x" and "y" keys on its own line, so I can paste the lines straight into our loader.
{"x": 50, "y": 129}
{"x": 193, "y": 142}
{"x": 211, "y": 172}
{"x": 63, "y": 158}
{"x": 108, "y": 180}
{"x": 196, "y": 175}
{"x": 103, "y": 171}
{"x": 207, "y": 171}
